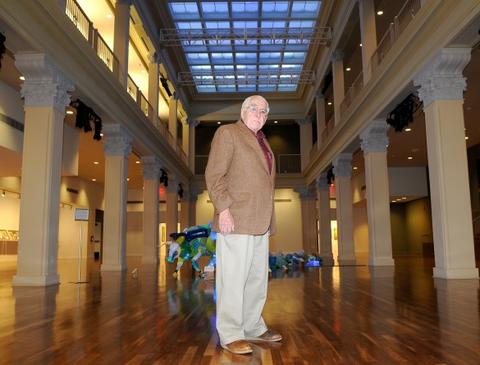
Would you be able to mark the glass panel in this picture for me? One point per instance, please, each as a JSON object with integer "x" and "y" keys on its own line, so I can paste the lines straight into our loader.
{"x": 184, "y": 10}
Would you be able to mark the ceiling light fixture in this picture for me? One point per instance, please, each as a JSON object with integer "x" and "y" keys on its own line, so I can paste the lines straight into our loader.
{"x": 348, "y": 69}
{"x": 466, "y": 137}
{"x": 410, "y": 157}
{"x": 96, "y": 162}
{"x": 94, "y": 179}
{"x": 276, "y": 121}
{"x": 380, "y": 12}
{"x": 137, "y": 162}
{"x": 70, "y": 112}
{"x": 408, "y": 129}
{"x": 128, "y": 179}
{"x": 355, "y": 167}
{"x": 360, "y": 45}
{"x": 22, "y": 78}
{"x": 219, "y": 123}
{"x": 329, "y": 103}
{"x": 3, "y": 194}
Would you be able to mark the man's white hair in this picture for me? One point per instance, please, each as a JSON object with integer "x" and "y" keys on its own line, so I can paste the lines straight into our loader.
{"x": 246, "y": 102}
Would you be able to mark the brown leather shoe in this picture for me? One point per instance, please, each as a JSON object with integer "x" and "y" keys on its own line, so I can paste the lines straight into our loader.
{"x": 239, "y": 347}
{"x": 269, "y": 336}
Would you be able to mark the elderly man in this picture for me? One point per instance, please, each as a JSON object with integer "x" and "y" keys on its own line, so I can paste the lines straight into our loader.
{"x": 240, "y": 178}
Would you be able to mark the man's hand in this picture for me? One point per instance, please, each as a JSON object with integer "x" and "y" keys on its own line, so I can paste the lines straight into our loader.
{"x": 225, "y": 221}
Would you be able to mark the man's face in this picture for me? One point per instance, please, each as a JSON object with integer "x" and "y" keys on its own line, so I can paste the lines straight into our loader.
{"x": 255, "y": 114}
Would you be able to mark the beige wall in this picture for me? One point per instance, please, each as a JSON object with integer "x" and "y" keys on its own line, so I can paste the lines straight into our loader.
{"x": 419, "y": 224}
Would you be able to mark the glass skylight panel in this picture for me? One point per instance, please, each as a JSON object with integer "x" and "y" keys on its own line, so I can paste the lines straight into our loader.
{"x": 273, "y": 67}
{"x": 305, "y": 9}
{"x": 248, "y": 68}
{"x": 287, "y": 87}
{"x": 239, "y": 25}
{"x": 294, "y": 56}
{"x": 222, "y": 57}
{"x": 215, "y": 9}
{"x": 188, "y": 25}
{"x": 269, "y": 57}
{"x": 217, "y": 25}
{"x": 206, "y": 88}
{"x": 241, "y": 9}
{"x": 292, "y": 67}
{"x": 223, "y": 67}
{"x": 268, "y": 24}
{"x": 197, "y": 58}
{"x": 277, "y": 8}
{"x": 201, "y": 68}
{"x": 186, "y": 10}
{"x": 227, "y": 88}
{"x": 244, "y": 57}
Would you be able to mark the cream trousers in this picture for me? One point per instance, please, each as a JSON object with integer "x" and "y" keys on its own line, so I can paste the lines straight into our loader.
{"x": 241, "y": 285}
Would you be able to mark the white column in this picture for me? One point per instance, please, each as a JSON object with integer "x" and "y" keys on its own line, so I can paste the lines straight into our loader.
{"x": 338, "y": 82}
{"x": 185, "y": 136}
{"x": 172, "y": 116}
{"x": 153, "y": 88}
{"x": 325, "y": 233}
{"x": 151, "y": 176}
{"x": 368, "y": 33}
{"x": 441, "y": 90}
{"x": 45, "y": 91}
{"x": 121, "y": 36}
{"x": 309, "y": 221}
{"x": 342, "y": 168}
{"x": 320, "y": 110}
{"x": 185, "y": 210}
{"x": 192, "y": 124}
{"x": 117, "y": 146}
{"x": 305, "y": 140}
{"x": 374, "y": 145}
{"x": 172, "y": 205}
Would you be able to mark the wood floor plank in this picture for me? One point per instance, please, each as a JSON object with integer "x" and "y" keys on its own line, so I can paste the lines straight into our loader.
{"x": 335, "y": 316}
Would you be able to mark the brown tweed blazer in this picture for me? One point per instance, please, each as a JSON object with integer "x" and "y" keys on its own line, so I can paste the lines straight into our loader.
{"x": 237, "y": 177}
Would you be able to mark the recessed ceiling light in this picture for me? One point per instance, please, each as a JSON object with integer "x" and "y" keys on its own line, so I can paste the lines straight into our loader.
{"x": 466, "y": 137}
{"x": 94, "y": 179}
{"x": 404, "y": 198}
{"x": 137, "y": 162}
{"x": 408, "y": 129}
{"x": 219, "y": 122}
{"x": 393, "y": 201}
{"x": 410, "y": 157}
{"x": 96, "y": 162}
{"x": 348, "y": 69}
{"x": 329, "y": 103}
{"x": 276, "y": 121}
{"x": 360, "y": 45}
{"x": 128, "y": 179}
{"x": 355, "y": 167}
{"x": 22, "y": 78}
{"x": 69, "y": 111}
{"x": 380, "y": 12}
{"x": 101, "y": 134}
{"x": 109, "y": 16}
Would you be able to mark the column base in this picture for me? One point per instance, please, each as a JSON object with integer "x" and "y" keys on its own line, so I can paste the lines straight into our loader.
{"x": 347, "y": 261}
{"x": 112, "y": 267}
{"x": 42, "y": 280}
{"x": 381, "y": 261}
{"x": 327, "y": 261}
{"x": 455, "y": 273}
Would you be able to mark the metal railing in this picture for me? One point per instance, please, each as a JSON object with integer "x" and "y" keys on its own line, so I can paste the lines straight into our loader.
{"x": 352, "y": 92}
{"x": 289, "y": 163}
{"x": 400, "y": 22}
{"x": 78, "y": 17}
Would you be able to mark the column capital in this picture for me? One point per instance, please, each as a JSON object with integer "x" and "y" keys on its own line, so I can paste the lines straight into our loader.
{"x": 45, "y": 84}
{"x": 374, "y": 137}
{"x": 151, "y": 168}
{"x": 442, "y": 78}
{"x": 337, "y": 55}
{"x": 342, "y": 165}
{"x": 192, "y": 122}
{"x": 304, "y": 121}
{"x": 322, "y": 182}
{"x": 117, "y": 141}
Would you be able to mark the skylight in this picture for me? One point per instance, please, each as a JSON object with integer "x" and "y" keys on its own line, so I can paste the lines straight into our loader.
{"x": 245, "y": 46}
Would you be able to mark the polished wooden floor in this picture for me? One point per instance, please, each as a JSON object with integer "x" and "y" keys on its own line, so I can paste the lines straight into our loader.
{"x": 340, "y": 315}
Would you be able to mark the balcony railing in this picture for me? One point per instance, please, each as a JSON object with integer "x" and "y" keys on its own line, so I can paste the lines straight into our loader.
{"x": 78, "y": 17}
{"x": 400, "y": 22}
{"x": 352, "y": 92}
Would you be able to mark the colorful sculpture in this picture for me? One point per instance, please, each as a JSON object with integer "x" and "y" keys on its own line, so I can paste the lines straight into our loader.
{"x": 191, "y": 244}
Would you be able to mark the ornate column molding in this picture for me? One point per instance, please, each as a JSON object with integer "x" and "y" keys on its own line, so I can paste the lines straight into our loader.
{"x": 45, "y": 84}
{"x": 118, "y": 141}
{"x": 342, "y": 165}
{"x": 337, "y": 55}
{"x": 322, "y": 182}
{"x": 374, "y": 137}
{"x": 151, "y": 168}
{"x": 442, "y": 78}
